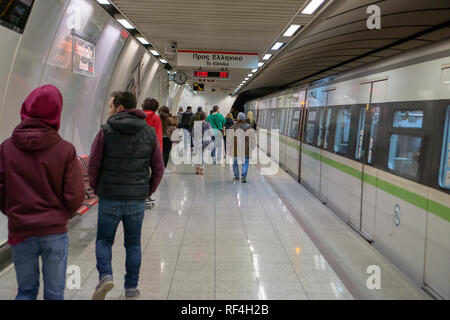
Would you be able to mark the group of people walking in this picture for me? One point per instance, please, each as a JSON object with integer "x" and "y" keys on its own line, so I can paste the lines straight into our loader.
{"x": 219, "y": 125}
{"x": 41, "y": 186}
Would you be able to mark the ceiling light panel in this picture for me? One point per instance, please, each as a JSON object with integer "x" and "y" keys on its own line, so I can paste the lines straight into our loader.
{"x": 291, "y": 30}
{"x": 125, "y": 24}
{"x": 142, "y": 40}
{"x": 312, "y": 6}
{"x": 277, "y": 46}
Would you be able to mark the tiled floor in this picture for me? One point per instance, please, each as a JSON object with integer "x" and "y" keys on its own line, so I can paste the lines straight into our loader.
{"x": 211, "y": 238}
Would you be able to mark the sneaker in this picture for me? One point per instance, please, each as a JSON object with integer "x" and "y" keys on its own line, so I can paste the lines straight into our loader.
{"x": 244, "y": 180}
{"x": 132, "y": 294}
{"x": 104, "y": 286}
{"x": 235, "y": 179}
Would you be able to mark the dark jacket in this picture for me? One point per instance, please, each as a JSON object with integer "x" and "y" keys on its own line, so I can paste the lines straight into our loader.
{"x": 228, "y": 123}
{"x": 40, "y": 179}
{"x": 186, "y": 120}
{"x": 121, "y": 155}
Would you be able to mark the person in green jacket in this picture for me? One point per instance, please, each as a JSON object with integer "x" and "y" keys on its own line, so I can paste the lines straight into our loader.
{"x": 217, "y": 121}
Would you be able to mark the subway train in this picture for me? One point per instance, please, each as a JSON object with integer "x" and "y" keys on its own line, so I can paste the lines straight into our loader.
{"x": 373, "y": 144}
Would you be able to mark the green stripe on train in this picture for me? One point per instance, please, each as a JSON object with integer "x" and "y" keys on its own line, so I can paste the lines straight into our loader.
{"x": 419, "y": 201}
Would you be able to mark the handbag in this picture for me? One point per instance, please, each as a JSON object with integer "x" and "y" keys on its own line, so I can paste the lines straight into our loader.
{"x": 170, "y": 130}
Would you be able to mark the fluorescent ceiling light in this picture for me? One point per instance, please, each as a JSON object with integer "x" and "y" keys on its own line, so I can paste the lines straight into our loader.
{"x": 254, "y": 70}
{"x": 142, "y": 40}
{"x": 250, "y": 75}
{"x": 267, "y": 56}
{"x": 277, "y": 46}
{"x": 103, "y": 1}
{"x": 291, "y": 30}
{"x": 125, "y": 23}
{"x": 163, "y": 61}
{"x": 260, "y": 64}
{"x": 312, "y": 6}
{"x": 246, "y": 79}
{"x": 154, "y": 52}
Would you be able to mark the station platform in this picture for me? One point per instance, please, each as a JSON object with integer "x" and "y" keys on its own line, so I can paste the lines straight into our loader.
{"x": 211, "y": 238}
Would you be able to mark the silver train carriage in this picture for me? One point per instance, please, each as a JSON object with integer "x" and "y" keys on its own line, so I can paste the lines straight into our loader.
{"x": 373, "y": 144}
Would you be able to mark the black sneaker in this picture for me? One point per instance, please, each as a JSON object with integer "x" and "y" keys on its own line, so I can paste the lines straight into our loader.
{"x": 244, "y": 180}
{"x": 235, "y": 179}
{"x": 104, "y": 286}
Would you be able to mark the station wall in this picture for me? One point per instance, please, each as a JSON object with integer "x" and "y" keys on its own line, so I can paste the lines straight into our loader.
{"x": 43, "y": 55}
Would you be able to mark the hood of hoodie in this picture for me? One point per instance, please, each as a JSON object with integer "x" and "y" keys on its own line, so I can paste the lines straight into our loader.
{"x": 33, "y": 135}
{"x": 43, "y": 103}
{"x": 128, "y": 122}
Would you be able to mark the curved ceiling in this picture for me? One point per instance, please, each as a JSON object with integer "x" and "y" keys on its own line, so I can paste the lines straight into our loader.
{"x": 339, "y": 39}
{"x": 335, "y": 39}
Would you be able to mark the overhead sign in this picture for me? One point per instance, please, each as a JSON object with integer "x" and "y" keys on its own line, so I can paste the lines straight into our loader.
{"x": 203, "y": 74}
{"x": 199, "y": 87}
{"x": 240, "y": 60}
{"x": 83, "y": 56}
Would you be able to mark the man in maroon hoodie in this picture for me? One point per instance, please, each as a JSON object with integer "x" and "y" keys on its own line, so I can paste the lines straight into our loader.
{"x": 41, "y": 188}
{"x": 122, "y": 154}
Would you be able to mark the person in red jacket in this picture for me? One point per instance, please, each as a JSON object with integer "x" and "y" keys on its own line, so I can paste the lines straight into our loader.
{"x": 150, "y": 106}
{"x": 41, "y": 188}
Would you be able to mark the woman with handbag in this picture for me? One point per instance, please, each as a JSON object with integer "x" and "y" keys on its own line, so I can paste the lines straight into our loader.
{"x": 169, "y": 124}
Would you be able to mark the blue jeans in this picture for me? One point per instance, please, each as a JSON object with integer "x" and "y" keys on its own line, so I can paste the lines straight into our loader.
{"x": 53, "y": 250}
{"x": 244, "y": 168}
{"x": 110, "y": 213}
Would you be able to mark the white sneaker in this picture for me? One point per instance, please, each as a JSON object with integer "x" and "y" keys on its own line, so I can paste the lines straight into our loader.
{"x": 166, "y": 171}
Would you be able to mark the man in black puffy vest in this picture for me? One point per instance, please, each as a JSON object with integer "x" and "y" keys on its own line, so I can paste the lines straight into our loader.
{"x": 121, "y": 155}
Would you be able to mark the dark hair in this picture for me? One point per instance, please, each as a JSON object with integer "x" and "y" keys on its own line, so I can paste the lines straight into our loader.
{"x": 215, "y": 108}
{"x": 126, "y": 99}
{"x": 202, "y": 116}
{"x": 150, "y": 104}
{"x": 211, "y": 112}
{"x": 199, "y": 109}
{"x": 164, "y": 109}
{"x": 189, "y": 108}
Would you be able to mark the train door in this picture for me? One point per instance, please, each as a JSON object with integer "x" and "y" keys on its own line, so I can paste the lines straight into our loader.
{"x": 368, "y": 122}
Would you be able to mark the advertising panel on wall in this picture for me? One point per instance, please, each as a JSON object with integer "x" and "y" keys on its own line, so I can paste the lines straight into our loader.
{"x": 14, "y": 14}
{"x": 83, "y": 56}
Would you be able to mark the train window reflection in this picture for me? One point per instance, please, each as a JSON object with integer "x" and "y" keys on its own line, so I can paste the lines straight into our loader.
{"x": 404, "y": 155}
{"x": 294, "y": 124}
{"x": 319, "y": 136}
{"x": 408, "y": 119}
{"x": 327, "y": 129}
{"x": 373, "y": 133}
{"x": 444, "y": 173}
{"x": 283, "y": 121}
{"x": 341, "y": 138}
{"x": 360, "y": 137}
{"x": 310, "y": 127}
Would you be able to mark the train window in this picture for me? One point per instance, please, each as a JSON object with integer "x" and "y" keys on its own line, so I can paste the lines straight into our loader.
{"x": 319, "y": 136}
{"x": 283, "y": 121}
{"x": 14, "y": 14}
{"x": 342, "y": 136}
{"x": 360, "y": 136}
{"x": 408, "y": 119}
{"x": 273, "y": 119}
{"x": 327, "y": 129}
{"x": 404, "y": 155}
{"x": 444, "y": 173}
{"x": 310, "y": 126}
{"x": 294, "y": 124}
{"x": 373, "y": 133}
